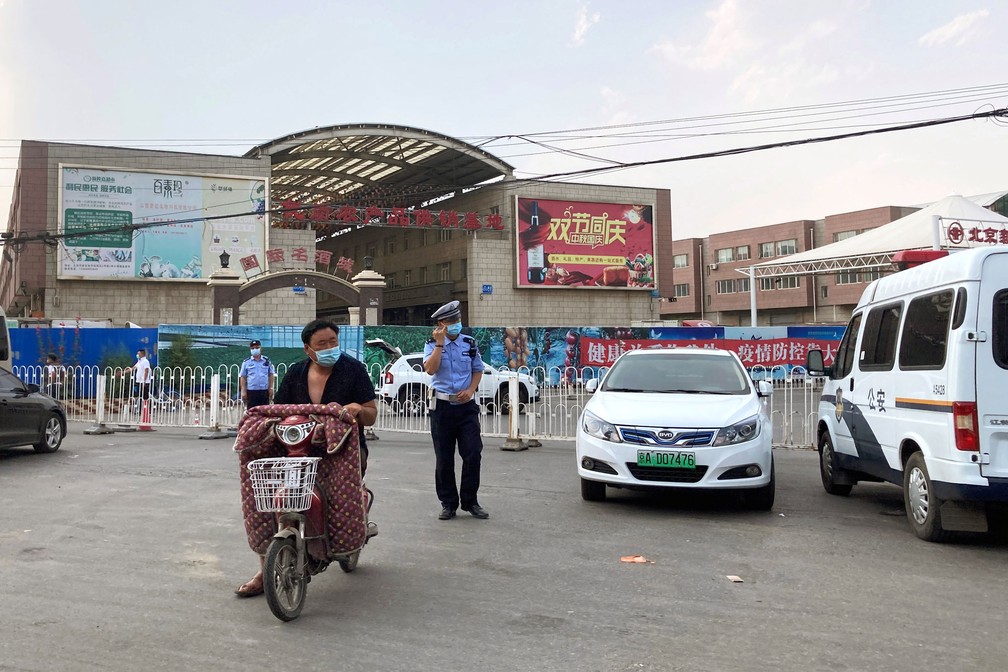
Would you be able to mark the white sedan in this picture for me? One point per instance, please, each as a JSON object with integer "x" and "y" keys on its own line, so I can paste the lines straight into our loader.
{"x": 677, "y": 418}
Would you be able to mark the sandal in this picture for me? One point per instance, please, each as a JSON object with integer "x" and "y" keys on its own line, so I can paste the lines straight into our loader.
{"x": 252, "y": 587}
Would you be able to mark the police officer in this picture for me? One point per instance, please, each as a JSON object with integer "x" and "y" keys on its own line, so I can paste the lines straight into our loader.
{"x": 256, "y": 377}
{"x": 455, "y": 364}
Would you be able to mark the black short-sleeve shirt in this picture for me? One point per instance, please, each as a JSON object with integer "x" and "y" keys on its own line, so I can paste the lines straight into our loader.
{"x": 349, "y": 383}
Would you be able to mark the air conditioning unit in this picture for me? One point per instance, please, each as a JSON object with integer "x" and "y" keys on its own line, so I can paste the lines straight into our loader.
{"x": 712, "y": 267}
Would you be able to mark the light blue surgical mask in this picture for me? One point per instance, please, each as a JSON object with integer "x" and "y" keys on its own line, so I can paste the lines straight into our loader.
{"x": 328, "y": 357}
{"x": 455, "y": 329}
{"x": 255, "y": 351}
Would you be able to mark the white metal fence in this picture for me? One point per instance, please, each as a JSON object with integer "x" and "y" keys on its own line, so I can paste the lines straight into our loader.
{"x": 209, "y": 397}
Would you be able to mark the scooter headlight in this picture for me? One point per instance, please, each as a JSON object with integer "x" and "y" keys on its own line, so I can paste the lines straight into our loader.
{"x": 293, "y": 435}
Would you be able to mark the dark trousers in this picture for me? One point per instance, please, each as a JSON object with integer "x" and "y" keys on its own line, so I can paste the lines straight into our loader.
{"x": 256, "y": 398}
{"x": 451, "y": 426}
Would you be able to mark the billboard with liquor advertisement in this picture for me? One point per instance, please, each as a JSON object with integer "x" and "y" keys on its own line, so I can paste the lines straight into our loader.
{"x": 139, "y": 225}
{"x": 564, "y": 244}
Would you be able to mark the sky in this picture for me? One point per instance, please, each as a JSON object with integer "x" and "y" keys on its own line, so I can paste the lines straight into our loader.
{"x": 605, "y": 82}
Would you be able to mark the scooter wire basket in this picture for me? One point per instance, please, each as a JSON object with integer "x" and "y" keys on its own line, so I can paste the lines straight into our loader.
{"x": 283, "y": 483}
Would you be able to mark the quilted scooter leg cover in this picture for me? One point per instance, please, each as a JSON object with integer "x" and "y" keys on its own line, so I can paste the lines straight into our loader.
{"x": 339, "y": 480}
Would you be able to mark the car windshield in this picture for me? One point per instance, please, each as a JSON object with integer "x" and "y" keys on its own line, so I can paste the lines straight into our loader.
{"x": 681, "y": 373}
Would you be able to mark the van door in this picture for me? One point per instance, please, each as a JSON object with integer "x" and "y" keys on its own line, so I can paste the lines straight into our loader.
{"x": 836, "y": 395}
{"x": 992, "y": 367}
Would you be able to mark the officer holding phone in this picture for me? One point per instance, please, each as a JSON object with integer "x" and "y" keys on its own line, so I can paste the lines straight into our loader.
{"x": 454, "y": 362}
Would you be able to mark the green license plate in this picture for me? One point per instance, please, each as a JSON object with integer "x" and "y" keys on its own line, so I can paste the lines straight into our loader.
{"x": 659, "y": 458}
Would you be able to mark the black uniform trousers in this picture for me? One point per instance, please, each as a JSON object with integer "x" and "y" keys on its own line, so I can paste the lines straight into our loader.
{"x": 256, "y": 398}
{"x": 451, "y": 425}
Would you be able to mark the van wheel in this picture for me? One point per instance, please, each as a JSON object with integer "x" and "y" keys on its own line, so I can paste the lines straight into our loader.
{"x": 592, "y": 491}
{"x": 922, "y": 507}
{"x": 504, "y": 399}
{"x": 761, "y": 499}
{"x": 828, "y": 469}
{"x": 412, "y": 400}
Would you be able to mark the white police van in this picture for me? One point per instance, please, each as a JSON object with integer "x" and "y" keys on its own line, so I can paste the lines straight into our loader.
{"x": 918, "y": 392}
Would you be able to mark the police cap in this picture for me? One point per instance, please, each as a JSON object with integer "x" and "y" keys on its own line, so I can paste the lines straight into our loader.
{"x": 255, "y": 344}
{"x": 449, "y": 311}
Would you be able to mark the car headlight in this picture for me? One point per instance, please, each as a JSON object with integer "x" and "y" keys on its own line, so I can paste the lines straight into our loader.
{"x": 747, "y": 430}
{"x": 599, "y": 428}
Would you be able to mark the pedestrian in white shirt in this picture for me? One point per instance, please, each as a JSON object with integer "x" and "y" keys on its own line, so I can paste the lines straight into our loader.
{"x": 142, "y": 375}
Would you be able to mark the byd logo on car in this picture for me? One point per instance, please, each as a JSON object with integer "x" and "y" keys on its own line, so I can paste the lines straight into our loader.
{"x": 665, "y": 435}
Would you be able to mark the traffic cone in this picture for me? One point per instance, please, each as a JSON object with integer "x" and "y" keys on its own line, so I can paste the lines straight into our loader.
{"x": 145, "y": 425}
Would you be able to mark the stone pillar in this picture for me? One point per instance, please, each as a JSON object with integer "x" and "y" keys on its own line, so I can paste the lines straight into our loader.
{"x": 371, "y": 286}
{"x": 354, "y": 315}
{"x": 224, "y": 285}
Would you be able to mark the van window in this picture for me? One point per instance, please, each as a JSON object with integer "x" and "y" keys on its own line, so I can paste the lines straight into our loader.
{"x": 999, "y": 329}
{"x": 844, "y": 361}
{"x": 878, "y": 345}
{"x": 925, "y": 331}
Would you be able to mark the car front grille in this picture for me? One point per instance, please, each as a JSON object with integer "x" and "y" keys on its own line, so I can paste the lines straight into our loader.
{"x": 667, "y": 474}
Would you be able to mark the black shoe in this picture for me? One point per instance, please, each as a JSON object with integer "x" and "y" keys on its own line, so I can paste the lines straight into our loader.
{"x": 447, "y": 513}
{"x": 477, "y": 511}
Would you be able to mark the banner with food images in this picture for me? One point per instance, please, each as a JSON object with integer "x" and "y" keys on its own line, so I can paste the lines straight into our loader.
{"x": 577, "y": 244}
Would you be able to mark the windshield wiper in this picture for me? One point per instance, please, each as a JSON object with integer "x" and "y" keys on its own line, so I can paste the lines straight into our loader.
{"x": 624, "y": 389}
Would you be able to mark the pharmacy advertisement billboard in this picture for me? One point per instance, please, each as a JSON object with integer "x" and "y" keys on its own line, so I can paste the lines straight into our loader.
{"x": 139, "y": 225}
{"x": 564, "y": 244}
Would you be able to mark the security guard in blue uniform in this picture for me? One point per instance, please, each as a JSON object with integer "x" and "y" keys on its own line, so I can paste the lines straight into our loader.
{"x": 256, "y": 377}
{"x": 454, "y": 362}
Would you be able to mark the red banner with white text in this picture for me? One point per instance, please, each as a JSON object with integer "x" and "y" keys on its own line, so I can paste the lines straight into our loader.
{"x": 766, "y": 353}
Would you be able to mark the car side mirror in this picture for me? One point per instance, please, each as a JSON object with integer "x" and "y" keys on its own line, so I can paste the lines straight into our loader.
{"x": 591, "y": 385}
{"x": 32, "y": 387}
{"x": 814, "y": 363}
{"x": 764, "y": 388}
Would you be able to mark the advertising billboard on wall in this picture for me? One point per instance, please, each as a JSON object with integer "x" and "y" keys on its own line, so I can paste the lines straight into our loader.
{"x": 563, "y": 244}
{"x": 140, "y": 225}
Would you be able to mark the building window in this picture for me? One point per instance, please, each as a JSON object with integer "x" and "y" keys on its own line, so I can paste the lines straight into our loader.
{"x": 725, "y": 254}
{"x": 390, "y": 246}
{"x": 847, "y": 278}
{"x": 680, "y": 261}
{"x": 681, "y": 290}
{"x": 843, "y": 235}
{"x": 406, "y": 278}
{"x": 742, "y": 285}
{"x": 765, "y": 250}
{"x": 725, "y": 287}
{"x": 786, "y": 247}
{"x": 405, "y": 242}
{"x": 445, "y": 235}
{"x": 445, "y": 271}
{"x": 708, "y": 300}
{"x": 742, "y": 252}
{"x": 787, "y": 282}
{"x": 423, "y": 275}
{"x": 824, "y": 290}
{"x": 371, "y": 251}
{"x": 424, "y": 237}
{"x": 465, "y": 269}
{"x": 390, "y": 281}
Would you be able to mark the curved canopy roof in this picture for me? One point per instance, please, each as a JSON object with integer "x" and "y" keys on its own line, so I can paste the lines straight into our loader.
{"x": 382, "y": 165}
{"x": 875, "y": 248}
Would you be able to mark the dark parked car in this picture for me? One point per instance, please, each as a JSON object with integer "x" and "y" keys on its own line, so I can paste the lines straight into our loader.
{"x": 29, "y": 417}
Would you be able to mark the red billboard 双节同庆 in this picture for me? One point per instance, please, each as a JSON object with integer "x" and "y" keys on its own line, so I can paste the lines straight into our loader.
{"x": 585, "y": 244}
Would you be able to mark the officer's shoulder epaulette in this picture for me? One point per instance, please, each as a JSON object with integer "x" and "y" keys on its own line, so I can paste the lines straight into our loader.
{"x": 468, "y": 339}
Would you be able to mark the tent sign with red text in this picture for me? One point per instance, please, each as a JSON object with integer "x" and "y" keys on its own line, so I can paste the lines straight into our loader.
{"x": 767, "y": 353}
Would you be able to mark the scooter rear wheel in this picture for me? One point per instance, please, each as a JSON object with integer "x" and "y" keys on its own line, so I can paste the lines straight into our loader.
{"x": 285, "y": 587}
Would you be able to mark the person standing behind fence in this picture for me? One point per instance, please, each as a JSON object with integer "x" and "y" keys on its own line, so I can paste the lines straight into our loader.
{"x": 54, "y": 376}
{"x": 142, "y": 374}
{"x": 256, "y": 377}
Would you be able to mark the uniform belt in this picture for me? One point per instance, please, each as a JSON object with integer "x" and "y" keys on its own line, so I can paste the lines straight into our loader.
{"x": 442, "y": 396}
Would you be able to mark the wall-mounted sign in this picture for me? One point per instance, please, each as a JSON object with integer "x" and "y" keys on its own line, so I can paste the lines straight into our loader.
{"x": 488, "y": 289}
{"x": 577, "y": 244}
{"x": 137, "y": 225}
{"x": 299, "y": 289}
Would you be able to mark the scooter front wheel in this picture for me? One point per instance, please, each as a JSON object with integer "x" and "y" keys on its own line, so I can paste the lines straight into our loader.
{"x": 285, "y": 587}
{"x": 350, "y": 563}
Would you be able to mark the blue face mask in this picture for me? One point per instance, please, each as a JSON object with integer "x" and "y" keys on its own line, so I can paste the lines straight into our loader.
{"x": 328, "y": 357}
{"x": 255, "y": 351}
{"x": 455, "y": 329}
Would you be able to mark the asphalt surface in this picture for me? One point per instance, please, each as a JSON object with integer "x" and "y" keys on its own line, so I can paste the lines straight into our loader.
{"x": 121, "y": 552}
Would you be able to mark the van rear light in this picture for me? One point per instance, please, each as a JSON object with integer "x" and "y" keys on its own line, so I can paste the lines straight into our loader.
{"x": 964, "y": 414}
{"x": 389, "y": 379}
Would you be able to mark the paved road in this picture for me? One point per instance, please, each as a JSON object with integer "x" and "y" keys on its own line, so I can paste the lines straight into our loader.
{"x": 120, "y": 553}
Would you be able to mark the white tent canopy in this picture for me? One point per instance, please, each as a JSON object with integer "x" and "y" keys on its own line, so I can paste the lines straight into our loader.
{"x": 874, "y": 248}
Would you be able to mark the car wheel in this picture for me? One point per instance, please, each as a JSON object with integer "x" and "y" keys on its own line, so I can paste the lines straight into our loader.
{"x": 761, "y": 499}
{"x": 592, "y": 491}
{"x": 412, "y": 400}
{"x": 52, "y": 436}
{"x": 503, "y": 401}
{"x": 923, "y": 508}
{"x": 828, "y": 469}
